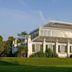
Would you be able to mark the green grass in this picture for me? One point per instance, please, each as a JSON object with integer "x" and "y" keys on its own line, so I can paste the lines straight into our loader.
{"x": 35, "y": 65}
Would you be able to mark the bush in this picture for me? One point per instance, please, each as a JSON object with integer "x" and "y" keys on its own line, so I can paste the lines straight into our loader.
{"x": 50, "y": 53}
{"x": 38, "y": 54}
{"x": 22, "y": 51}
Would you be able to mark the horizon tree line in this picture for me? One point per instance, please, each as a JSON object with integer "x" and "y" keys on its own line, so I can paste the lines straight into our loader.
{"x": 6, "y": 47}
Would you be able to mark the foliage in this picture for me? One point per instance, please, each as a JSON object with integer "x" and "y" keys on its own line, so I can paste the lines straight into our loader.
{"x": 1, "y": 41}
{"x": 19, "y": 41}
{"x": 22, "y": 37}
{"x": 3, "y": 49}
{"x": 1, "y": 45}
{"x": 10, "y": 41}
{"x": 10, "y": 45}
{"x": 1, "y": 38}
{"x": 11, "y": 38}
{"x": 23, "y": 33}
{"x": 22, "y": 51}
{"x": 48, "y": 53}
{"x": 38, "y": 54}
{"x": 6, "y": 46}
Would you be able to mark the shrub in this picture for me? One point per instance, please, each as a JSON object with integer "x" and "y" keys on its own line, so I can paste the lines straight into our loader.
{"x": 38, "y": 54}
{"x": 22, "y": 51}
{"x": 50, "y": 53}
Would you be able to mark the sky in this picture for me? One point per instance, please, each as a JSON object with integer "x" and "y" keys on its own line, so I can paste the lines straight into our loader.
{"x": 26, "y": 15}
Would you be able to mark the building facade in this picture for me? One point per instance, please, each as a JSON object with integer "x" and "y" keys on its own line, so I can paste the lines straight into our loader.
{"x": 54, "y": 35}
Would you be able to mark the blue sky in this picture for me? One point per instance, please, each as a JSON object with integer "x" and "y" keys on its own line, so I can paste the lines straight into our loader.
{"x": 26, "y": 15}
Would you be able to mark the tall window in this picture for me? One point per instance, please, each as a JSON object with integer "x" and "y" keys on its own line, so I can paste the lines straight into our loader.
{"x": 62, "y": 48}
{"x": 71, "y": 49}
{"x": 33, "y": 48}
{"x": 37, "y": 48}
{"x": 41, "y": 47}
{"x": 65, "y": 48}
{"x": 50, "y": 46}
{"x": 46, "y": 47}
{"x": 58, "y": 48}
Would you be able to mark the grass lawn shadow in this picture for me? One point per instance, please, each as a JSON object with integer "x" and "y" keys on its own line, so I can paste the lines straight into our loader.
{"x": 28, "y": 68}
{"x": 7, "y": 63}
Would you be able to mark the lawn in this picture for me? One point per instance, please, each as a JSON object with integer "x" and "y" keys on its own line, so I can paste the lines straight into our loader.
{"x": 35, "y": 65}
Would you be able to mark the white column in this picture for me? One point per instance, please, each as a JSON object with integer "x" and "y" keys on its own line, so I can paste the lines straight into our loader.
{"x": 44, "y": 46}
{"x": 56, "y": 46}
{"x": 29, "y": 46}
{"x": 68, "y": 48}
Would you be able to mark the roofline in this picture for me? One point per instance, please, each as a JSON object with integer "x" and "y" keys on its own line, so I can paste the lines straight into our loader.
{"x": 55, "y": 21}
{"x": 52, "y": 21}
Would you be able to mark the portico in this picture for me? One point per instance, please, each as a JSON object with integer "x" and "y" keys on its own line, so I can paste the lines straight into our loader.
{"x": 62, "y": 46}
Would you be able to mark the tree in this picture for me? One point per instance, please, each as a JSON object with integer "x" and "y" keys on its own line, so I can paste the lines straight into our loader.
{"x": 1, "y": 42}
{"x": 22, "y": 37}
{"x": 4, "y": 49}
{"x": 10, "y": 45}
{"x": 11, "y": 38}
{"x": 1, "y": 38}
{"x": 10, "y": 41}
{"x": 22, "y": 49}
{"x": 23, "y": 34}
{"x": 6, "y": 46}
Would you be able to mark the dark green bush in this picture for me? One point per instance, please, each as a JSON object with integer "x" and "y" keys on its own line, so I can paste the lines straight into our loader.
{"x": 48, "y": 53}
{"x": 38, "y": 54}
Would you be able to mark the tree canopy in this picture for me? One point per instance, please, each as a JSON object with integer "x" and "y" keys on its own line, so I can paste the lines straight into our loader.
{"x": 23, "y": 33}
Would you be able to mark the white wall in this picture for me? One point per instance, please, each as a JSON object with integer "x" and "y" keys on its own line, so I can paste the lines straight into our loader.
{"x": 55, "y": 32}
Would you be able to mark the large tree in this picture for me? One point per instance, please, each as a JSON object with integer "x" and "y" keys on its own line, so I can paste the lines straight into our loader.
{"x": 1, "y": 40}
{"x": 3, "y": 49}
{"x": 6, "y": 46}
{"x": 22, "y": 48}
{"x": 22, "y": 33}
{"x": 1, "y": 45}
{"x": 10, "y": 45}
